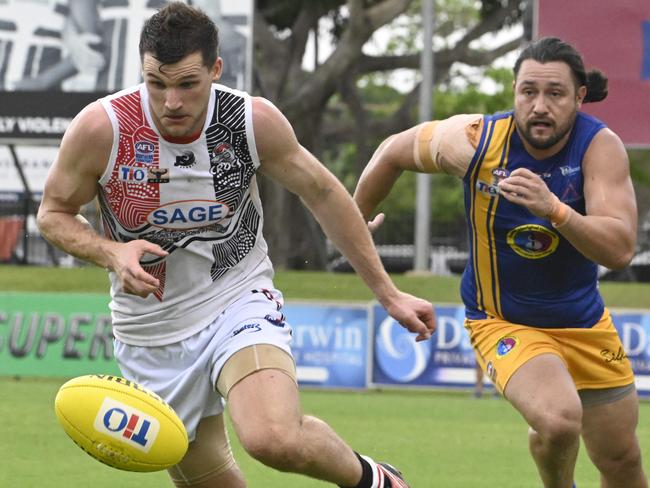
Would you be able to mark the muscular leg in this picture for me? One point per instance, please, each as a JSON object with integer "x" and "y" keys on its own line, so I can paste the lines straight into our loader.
{"x": 609, "y": 434}
{"x": 265, "y": 410}
{"x": 544, "y": 393}
{"x": 208, "y": 462}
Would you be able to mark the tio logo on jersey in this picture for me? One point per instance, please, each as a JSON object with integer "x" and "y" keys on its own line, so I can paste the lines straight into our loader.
{"x": 132, "y": 174}
{"x": 127, "y": 424}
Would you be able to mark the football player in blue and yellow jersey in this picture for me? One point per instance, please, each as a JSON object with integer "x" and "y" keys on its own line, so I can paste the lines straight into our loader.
{"x": 548, "y": 198}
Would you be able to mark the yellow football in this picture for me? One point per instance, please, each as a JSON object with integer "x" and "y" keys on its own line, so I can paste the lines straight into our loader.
{"x": 120, "y": 423}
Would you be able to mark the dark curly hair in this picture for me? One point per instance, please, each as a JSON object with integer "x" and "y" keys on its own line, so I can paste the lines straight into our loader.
{"x": 177, "y": 30}
{"x": 549, "y": 49}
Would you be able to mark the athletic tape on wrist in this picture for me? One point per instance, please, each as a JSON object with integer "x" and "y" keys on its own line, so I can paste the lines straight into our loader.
{"x": 560, "y": 213}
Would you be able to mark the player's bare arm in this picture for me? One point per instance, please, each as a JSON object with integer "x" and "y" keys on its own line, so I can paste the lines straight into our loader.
{"x": 607, "y": 233}
{"x": 71, "y": 183}
{"x": 287, "y": 162}
{"x": 432, "y": 147}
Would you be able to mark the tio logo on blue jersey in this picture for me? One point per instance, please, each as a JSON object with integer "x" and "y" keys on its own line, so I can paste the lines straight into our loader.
{"x": 127, "y": 424}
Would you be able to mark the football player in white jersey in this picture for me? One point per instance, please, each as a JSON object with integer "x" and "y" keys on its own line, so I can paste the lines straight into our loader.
{"x": 195, "y": 314}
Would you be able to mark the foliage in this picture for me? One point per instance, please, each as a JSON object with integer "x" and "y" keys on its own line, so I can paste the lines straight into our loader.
{"x": 464, "y": 95}
{"x": 344, "y": 107}
{"x": 640, "y": 166}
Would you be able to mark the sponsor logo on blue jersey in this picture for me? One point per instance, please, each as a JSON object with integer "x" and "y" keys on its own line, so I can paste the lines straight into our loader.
{"x": 188, "y": 214}
{"x": 487, "y": 188}
{"x": 500, "y": 174}
{"x": 568, "y": 170}
{"x": 532, "y": 241}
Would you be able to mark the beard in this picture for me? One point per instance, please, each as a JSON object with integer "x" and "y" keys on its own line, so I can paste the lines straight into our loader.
{"x": 525, "y": 130}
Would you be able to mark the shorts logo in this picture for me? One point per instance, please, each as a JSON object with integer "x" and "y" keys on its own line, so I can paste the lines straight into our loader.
{"x": 532, "y": 241}
{"x": 127, "y": 424}
{"x": 144, "y": 151}
{"x": 505, "y": 345}
{"x": 277, "y": 321}
{"x": 613, "y": 356}
{"x": 247, "y": 327}
{"x": 491, "y": 371}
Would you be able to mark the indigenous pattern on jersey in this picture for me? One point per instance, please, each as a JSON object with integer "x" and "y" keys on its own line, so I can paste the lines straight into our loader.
{"x": 198, "y": 201}
{"x": 520, "y": 268}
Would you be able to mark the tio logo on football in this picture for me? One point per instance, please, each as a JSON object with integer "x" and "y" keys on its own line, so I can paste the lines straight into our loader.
{"x": 127, "y": 424}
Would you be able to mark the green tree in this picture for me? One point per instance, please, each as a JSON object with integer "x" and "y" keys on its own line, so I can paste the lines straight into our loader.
{"x": 447, "y": 211}
{"x": 331, "y": 105}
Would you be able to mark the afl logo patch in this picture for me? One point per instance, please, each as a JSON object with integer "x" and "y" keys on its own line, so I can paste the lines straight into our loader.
{"x": 532, "y": 241}
{"x": 144, "y": 151}
{"x": 499, "y": 174}
{"x": 505, "y": 345}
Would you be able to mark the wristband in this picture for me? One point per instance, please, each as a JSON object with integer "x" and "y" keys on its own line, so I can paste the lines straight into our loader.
{"x": 560, "y": 213}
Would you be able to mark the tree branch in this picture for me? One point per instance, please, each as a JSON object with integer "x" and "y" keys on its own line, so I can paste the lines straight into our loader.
{"x": 442, "y": 59}
{"x": 377, "y": 127}
{"x": 322, "y": 84}
{"x": 385, "y": 12}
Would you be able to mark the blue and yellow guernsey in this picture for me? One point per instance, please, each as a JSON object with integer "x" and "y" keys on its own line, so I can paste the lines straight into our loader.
{"x": 520, "y": 268}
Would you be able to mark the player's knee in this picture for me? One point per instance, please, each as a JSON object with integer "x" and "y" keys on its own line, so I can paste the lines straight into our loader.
{"x": 275, "y": 445}
{"x": 559, "y": 426}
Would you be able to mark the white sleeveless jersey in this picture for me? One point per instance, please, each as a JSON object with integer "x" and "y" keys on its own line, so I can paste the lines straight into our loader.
{"x": 198, "y": 201}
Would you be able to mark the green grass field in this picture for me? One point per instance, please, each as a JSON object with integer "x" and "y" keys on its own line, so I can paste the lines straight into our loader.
{"x": 439, "y": 439}
{"x": 296, "y": 285}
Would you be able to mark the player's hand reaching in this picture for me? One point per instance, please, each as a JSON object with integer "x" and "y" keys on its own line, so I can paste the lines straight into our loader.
{"x": 414, "y": 314}
{"x": 125, "y": 261}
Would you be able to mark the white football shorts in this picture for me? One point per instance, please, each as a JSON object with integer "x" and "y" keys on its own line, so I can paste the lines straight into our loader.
{"x": 185, "y": 373}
